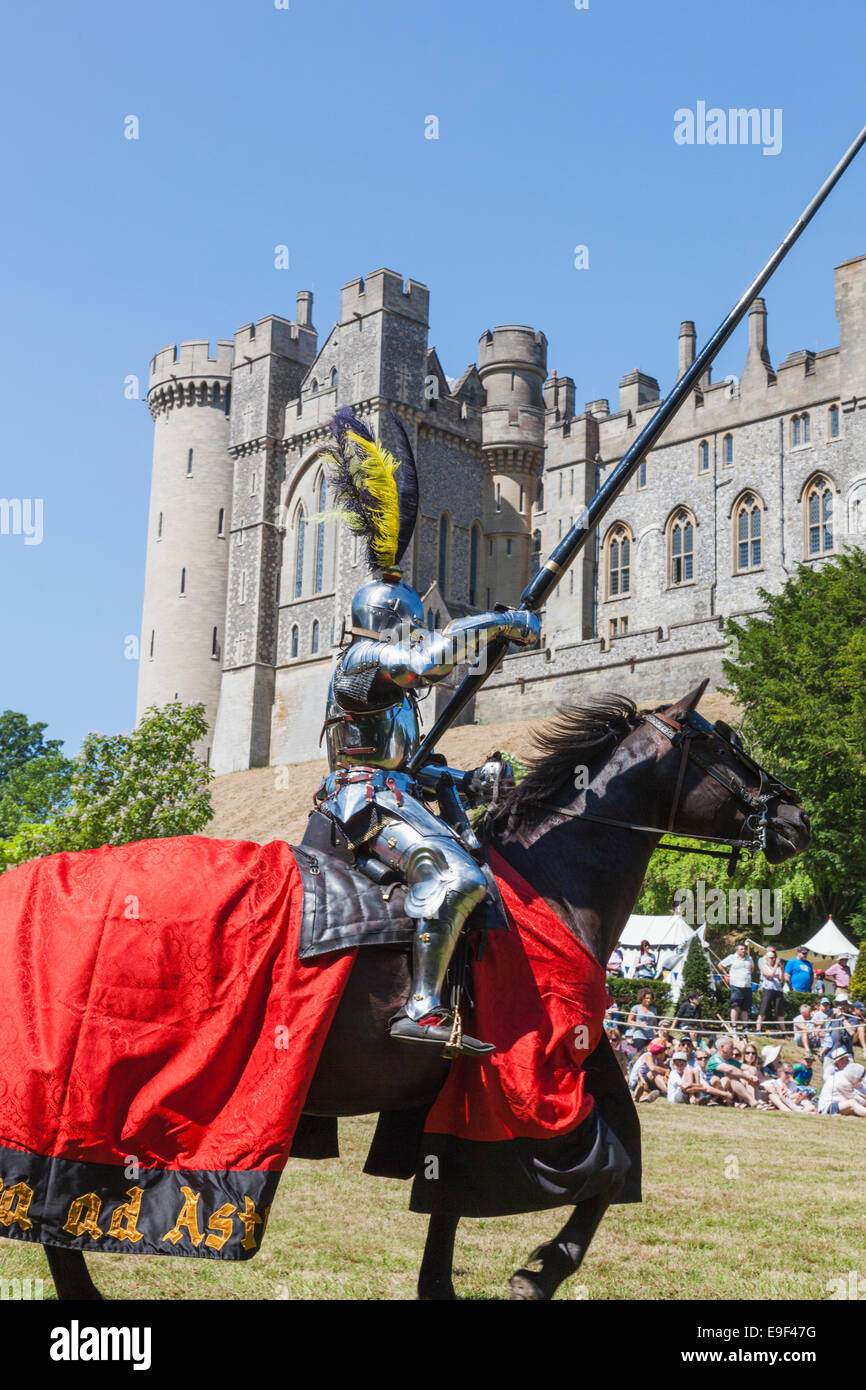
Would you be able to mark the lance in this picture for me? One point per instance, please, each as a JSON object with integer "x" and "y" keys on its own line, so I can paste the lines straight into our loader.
{"x": 548, "y": 576}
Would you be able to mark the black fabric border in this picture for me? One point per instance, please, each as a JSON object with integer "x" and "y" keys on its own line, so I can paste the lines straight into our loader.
{"x": 56, "y": 1182}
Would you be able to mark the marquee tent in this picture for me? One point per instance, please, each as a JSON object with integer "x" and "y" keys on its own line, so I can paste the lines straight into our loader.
{"x": 829, "y": 941}
{"x": 669, "y": 930}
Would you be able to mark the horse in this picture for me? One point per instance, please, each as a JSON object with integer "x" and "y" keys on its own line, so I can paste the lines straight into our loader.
{"x": 583, "y": 843}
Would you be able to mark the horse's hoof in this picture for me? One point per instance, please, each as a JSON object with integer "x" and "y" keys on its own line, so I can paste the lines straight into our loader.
{"x": 523, "y": 1289}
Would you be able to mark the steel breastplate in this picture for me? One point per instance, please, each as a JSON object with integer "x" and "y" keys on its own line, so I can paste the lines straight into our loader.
{"x": 384, "y": 738}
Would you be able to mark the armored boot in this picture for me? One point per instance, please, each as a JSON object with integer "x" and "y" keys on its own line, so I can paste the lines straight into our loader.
{"x": 424, "y": 1019}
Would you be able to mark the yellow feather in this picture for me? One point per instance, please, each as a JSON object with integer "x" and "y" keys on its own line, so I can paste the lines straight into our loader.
{"x": 377, "y": 468}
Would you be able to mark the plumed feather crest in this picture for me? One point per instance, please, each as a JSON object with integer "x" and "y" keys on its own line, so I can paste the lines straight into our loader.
{"x": 375, "y": 492}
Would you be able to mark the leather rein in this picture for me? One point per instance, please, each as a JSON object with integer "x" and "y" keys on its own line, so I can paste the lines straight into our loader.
{"x": 683, "y": 735}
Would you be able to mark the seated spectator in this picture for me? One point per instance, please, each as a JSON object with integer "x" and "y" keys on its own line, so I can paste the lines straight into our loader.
{"x": 614, "y": 1037}
{"x": 806, "y": 1035}
{"x": 820, "y": 1011}
{"x": 838, "y": 1033}
{"x": 840, "y": 1094}
{"x": 645, "y": 965}
{"x": 795, "y": 1096}
{"x": 856, "y": 1019}
{"x": 648, "y": 1079}
{"x": 682, "y": 1085}
{"x": 709, "y": 1093}
{"x": 799, "y": 974}
{"x": 803, "y": 1071}
{"x": 688, "y": 1010}
{"x": 724, "y": 1070}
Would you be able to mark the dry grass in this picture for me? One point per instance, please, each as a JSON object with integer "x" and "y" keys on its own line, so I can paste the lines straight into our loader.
{"x": 736, "y": 1205}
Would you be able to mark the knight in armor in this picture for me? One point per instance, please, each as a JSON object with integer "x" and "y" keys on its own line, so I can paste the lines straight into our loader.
{"x": 372, "y": 726}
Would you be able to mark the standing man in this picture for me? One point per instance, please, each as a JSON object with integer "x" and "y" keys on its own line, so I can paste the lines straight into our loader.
{"x": 840, "y": 974}
{"x": 739, "y": 969}
{"x": 799, "y": 972}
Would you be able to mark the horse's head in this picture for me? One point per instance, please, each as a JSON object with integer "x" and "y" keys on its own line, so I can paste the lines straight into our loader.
{"x": 718, "y": 789}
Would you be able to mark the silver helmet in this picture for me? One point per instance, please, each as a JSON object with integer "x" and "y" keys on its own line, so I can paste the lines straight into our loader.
{"x": 386, "y": 603}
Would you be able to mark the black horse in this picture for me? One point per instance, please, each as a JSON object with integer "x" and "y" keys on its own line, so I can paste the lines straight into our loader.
{"x": 586, "y": 854}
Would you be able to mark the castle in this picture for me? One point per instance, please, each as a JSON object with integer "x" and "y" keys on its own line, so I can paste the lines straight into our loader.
{"x": 247, "y": 587}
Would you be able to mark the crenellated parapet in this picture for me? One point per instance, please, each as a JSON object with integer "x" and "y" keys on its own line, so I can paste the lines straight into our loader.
{"x": 186, "y": 374}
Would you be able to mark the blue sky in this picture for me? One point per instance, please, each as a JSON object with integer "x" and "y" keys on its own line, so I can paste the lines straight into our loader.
{"x": 306, "y": 127}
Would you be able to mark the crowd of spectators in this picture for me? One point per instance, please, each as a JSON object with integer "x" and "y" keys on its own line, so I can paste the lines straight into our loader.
{"x": 688, "y": 1063}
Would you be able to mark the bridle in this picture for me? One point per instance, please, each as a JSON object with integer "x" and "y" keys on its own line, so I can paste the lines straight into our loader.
{"x": 685, "y": 734}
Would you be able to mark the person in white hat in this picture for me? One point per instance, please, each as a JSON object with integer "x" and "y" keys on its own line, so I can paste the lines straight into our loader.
{"x": 841, "y": 1094}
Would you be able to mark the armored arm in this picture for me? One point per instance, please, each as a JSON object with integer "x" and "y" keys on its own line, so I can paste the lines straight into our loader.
{"x": 425, "y": 657}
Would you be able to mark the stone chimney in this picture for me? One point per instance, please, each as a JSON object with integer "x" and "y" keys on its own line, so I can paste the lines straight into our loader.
{"x": 305, "y": 309}
{"x": 758, "y": 369}
{"x": 686, "y": 354}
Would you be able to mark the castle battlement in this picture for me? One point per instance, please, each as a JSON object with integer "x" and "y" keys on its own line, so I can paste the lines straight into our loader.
{"x": 191, "y": 359}
{"x": 384, "y": 289}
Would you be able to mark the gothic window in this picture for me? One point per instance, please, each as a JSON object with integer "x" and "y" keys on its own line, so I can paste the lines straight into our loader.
{"x": 800, "y": 430}
{"x": 539, "y": 497}
{"x": 189, "y": 464}
{"x": 641, "y": 474}
{"x": 806, "y": 428}
{"x": 819, "y": 517}
{"x": 314, "y": 385}
{"x": 294, "y": 645}
{"x": 474, "y": 551}
{"x": 728, "y": 448}
{"x": 619, "y": 562}
{"x": 320, "y": 536}
{"x": 443, "y": 554}
{"x": 833, "y": 421}
{"x": 747, "y": 534}
{"x": 335, "y": 376}
{"x": 681, "y": 548}
{"x": 300, "y": 535}
{"x": 703, "y": 456}
{"x": 314, "y": 641}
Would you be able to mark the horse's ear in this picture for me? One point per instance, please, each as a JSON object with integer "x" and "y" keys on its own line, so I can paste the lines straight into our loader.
{"x": 680, "y": 708}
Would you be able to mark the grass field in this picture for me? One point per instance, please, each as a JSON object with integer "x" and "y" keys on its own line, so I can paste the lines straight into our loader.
{"x": 736, "y": 1205}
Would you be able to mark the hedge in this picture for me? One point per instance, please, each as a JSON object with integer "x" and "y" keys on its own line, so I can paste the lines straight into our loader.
{"x": 626, "y": 992}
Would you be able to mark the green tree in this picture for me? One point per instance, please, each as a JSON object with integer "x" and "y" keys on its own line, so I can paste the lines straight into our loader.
{"x": 34, "y": 774}
{"x": 858, "y": 977}
{"x": 799, "y": 674}
{"x": 696, "y": 972}
{"x": 124, "y": 787}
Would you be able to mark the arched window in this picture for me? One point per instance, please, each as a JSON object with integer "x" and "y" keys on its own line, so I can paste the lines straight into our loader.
{"x": 807, "y": 426}
{"x": 539, "y": 497}
{"x": 703, "y": 456}
{"x": 833, "y": 421}
{"x": 314, "y": 385}
{"x": 294, "y": 646}
{"x": 474, "y": 551}
{"x": 819, "y": 517}
{"x": 800, "y": 429}
{"x": 320, "y": 535}
{"x": 619, "y": 562}
{"x": 443, "y": 554}
{"x": 728, "y": 448}
{"x": 300, "y": 534}
{"x": 335, "y": 376}
{"x": 747, "y": 534}
{"x": 681, "y": 548}
{"x": 314, "y": 641}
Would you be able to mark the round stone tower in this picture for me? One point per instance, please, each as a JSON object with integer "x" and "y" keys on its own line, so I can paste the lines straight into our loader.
{"x": 183, "y": 621}
{"x": 512, "y": 364}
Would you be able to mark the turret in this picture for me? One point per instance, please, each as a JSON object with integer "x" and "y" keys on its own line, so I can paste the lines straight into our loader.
{"x": 512, "y": 365}
{"x": 189, "y": 397}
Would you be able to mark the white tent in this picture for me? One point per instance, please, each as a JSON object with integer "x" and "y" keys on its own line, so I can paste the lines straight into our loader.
{"x": 670, "y": 930}
{"x": 829, "y": 941}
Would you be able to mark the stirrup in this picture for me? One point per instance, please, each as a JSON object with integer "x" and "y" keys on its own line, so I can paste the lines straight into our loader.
{"x": 440, "y": 1028}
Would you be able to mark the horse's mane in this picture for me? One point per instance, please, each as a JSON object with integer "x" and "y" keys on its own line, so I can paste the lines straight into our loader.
{"x": 577, "y": 735}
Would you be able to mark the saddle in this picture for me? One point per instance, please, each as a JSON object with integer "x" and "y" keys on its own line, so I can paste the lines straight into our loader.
{"x": 351, "y": 901}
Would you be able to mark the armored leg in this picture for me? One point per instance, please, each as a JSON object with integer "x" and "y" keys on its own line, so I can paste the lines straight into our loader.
{"x": 445, "y": 884}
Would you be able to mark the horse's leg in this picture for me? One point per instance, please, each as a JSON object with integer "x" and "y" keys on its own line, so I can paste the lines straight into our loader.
{"x": 561, "y": 1256}
{"x": 71, "y": 1276}
{"x": 434, "y": 1278}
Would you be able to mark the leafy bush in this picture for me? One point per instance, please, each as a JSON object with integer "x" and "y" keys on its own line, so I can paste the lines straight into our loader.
{"x": 626, "y": 992}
